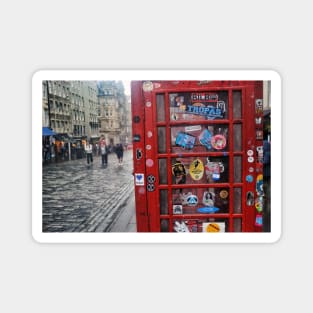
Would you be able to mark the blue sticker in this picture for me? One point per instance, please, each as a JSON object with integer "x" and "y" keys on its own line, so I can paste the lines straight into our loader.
{"x": 184, "y": 140}
{"x": 192, "y": 200}
{"x": 208, "y": 209}
{"x": 249, "y": 178}
{"x": 205, "y": 139}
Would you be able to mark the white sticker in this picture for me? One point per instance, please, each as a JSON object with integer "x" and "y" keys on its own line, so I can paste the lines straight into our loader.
{"x": 250, "y": 152}
{"x": 139, "y": 179}
{"x": 193, "y": 128}
{"x": 250, "y": 159}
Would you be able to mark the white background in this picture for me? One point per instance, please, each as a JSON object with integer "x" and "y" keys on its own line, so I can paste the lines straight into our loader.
{"x": 155, "y": 35}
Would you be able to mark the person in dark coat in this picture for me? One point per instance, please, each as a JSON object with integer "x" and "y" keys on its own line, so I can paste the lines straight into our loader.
{"x": 119, "y": 150}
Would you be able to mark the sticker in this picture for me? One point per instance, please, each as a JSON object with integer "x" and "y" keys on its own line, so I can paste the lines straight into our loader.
{"x": 250, "y": 152}
{"x": 259, "y": 204}
{"x": 193, "y": 128}
{"x": 149, "y": 134}
{"x": 223, "y": 194}
{"x": 136, "y": 138}
{"x": 192, "y": 200}
{"x": 249, "y": 178}
{"x": 259, "y": 185}
{"x": 258, "y": 120}
{"x": 259, "y": 135}
{"x": 151, "y": 179}
{"x": 148, "y": 104}
{"x": 196, "y": 169}
{"x": 250, "y": 159}
{"x": 213, "y": 170}
{"x": 258, "y": 220}
{"x": 205, "y": 139}
{"x": 250, "y": 198}
{"x": 149, "y": 162}
{"x": 251, "y": 169}
{"x": 210, "y": 111}
{"x": 208, "y": 209}
{"x": 147, "y": 86}
{"x": 148, "y": 147}
{"x": 179, "y": 172}
{"x": 181, "y": 227}
{"x": 150, "y": 187}
{"x": 208, "y": 198}
{"x": 138, "y": 154}
{"x": 258, "y": 106}
{"x": 139, "y": 179}
{"x": 213, "y": 227}
{"x": 218, "y": 142}
{"x": 259, "y": 150}
{"x": 177, "y": 209}
{"x": 185, "y": 141}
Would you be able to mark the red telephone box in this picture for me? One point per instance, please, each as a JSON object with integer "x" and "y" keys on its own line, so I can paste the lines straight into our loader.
{"x": 198, "y": 155}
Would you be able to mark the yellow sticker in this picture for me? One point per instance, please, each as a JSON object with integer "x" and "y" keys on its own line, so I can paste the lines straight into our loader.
{"x": 196, "y": 169}
{"x": 213, "y": 228}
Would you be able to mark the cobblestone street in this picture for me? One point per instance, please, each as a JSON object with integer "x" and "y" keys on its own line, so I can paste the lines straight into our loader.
{"x": 81, "y": 198}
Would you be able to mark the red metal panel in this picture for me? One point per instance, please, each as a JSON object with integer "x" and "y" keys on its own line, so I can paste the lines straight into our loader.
{"x": 138, "y": 124}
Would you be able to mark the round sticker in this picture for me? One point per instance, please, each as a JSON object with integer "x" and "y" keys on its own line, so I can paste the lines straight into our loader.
{"x": 250, "y": 152}
{"x": 224, "y": 194}
{"x": 218, "y": 142}
{"x": 149, "y": 162}
{"x": 251, "y": 169}
{"x": 250, "y": 159}
{"x": 148, "y": 147}
{"x": 249, "y": 178}
{"x": 149, "y": 134}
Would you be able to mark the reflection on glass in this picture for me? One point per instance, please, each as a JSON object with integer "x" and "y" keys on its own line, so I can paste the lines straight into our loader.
{"x": 161, "y": 140}
{"x": 237, "y": 137}
{"x": 237, "y": 200}
{"x": 237, "y": 169}
{"x": 163, "y": 202}
{"x": 237, "y": 225}
{"x": 237, "y": 105}
{"x": 160, "y": 101}
{"x": 162, "y": 171}
{"x": 164, "y": 225}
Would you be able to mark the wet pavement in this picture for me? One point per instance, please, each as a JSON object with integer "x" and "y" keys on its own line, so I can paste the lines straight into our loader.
{"x": 82, "y": 198}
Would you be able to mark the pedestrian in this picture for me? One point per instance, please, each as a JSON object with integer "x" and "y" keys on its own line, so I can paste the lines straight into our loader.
{"x": 119, "y": 152}
{"x": 103, "y": 151}
{"x": 88, "y": 150}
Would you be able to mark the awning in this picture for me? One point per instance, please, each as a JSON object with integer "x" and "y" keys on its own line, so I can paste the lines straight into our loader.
{"x": 46, "y": 131}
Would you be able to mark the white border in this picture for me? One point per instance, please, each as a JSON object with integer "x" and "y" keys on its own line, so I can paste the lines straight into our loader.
{"x": 276, "y": 139}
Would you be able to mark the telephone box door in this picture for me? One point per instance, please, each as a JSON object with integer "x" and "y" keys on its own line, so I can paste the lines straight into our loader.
{"x": 197, "y": 155}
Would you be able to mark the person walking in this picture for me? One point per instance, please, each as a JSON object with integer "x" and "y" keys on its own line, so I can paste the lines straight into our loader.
{"x": 88, "y": 150}
{"x": 119, "y": 152}
{"x": 103, "y": 152}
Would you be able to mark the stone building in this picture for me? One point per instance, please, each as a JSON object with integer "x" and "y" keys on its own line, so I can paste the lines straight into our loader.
{"x": 113, "y": 112}
{"x": 71, "y": 108}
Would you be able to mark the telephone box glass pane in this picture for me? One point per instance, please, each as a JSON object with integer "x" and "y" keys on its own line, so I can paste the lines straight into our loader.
{"x": 160, "y": 101}
{"x": 161, "y": 140}
{"x": 163, "y": 171}
{"x": 200, "y": 200}
{"x": 199, "y": 105}
{"x": 237, "y": 110}
{"x": 199, "y": 138}
{"x": 237, "y": 137}
{"x": 237, "y": 225}
{"x": 163, "y": 201}
{"x": 237, "y": 200}
{"x": 237, "y": 169}
{"x": 200, "y": 170}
